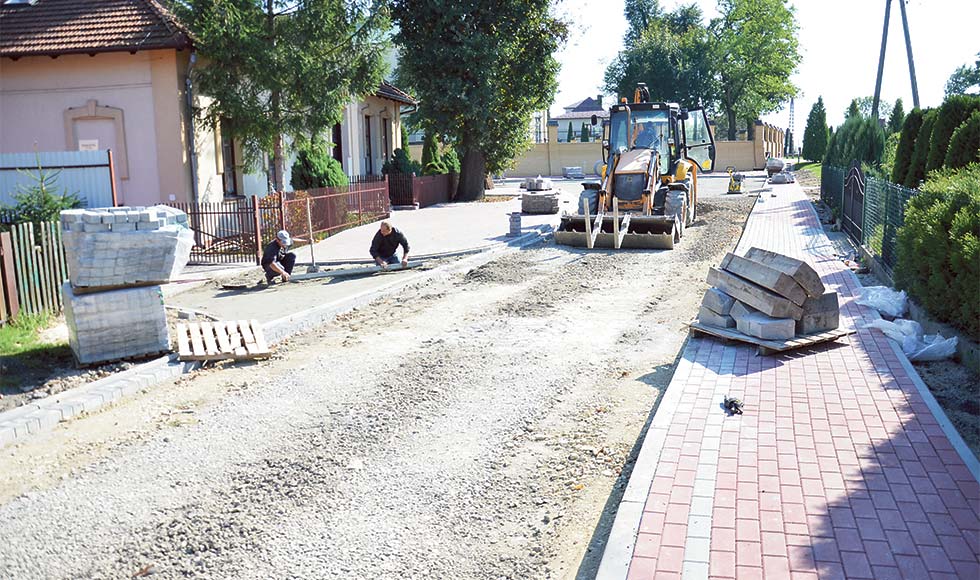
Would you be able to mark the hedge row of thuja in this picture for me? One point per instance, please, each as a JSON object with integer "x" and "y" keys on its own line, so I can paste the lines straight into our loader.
{"x": 939, "y": 248}
{"x": 948, "y": 136}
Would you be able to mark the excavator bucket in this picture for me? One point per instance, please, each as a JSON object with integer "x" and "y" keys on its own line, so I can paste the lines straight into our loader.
{"x": 627, "y": 231}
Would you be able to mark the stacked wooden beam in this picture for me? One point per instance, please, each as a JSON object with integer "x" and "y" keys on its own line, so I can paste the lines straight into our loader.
{"x": 768, "y": 296}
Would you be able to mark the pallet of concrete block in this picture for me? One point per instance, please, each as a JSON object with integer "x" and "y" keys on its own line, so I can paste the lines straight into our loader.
{"x": 774, "y": 301}
{"x": 116, "y": 325}
{"x": 538, "y": 184}
{"x": 222, "y": 340}
{"x": 546, "y": 202}
{"x": 124, "y": 246}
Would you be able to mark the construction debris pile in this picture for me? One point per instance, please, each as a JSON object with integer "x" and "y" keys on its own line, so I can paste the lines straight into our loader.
{"x": 540, "y": 197}
{"x": 117, "y": 258}
{"x": 768, "y": 296}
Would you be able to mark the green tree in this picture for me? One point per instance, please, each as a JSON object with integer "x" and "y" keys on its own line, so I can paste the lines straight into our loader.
{"x": 906, "y": 145}
{"x": 917, "y": 164}
{"x": 951, "y": 115}
{"x": 853, "y": 110}
{"x": 479, "y": 71}
{"x": 816, "y": 135}
{"x": 640, "y": 14}
{"x": 673, "y": 57}
{"x": 864, "y": 105}
{"x": 584, "y": 134}
{"x": 963, "y": 79}
{"x": 42, "y": 200}
{"x": 278, "y": 67}
{"x": 964, "y": 145}
{"x": 430, "y": 149}
{"x": 897, "y": 117}
{"x": 756, "y": 54}
{"x": 570, "y": 135}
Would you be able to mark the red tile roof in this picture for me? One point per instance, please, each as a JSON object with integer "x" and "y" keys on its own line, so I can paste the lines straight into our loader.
{"x": 53, "y": 27}
{"x": 390, "y": 91}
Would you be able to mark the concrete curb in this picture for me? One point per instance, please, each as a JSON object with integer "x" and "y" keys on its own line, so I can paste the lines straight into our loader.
{"x": 21, "y": 422}
{"x": 618, "y": 554}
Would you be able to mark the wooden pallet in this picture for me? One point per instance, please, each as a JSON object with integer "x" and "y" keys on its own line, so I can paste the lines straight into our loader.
{"x": 221, "y": 340}
{"x": 767, "y": 347}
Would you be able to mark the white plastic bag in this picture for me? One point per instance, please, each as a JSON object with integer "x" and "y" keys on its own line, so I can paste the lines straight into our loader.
{"x": 884, "y": 300}
{"x": 917, "y": 347}
{"x": 934, "y": 347}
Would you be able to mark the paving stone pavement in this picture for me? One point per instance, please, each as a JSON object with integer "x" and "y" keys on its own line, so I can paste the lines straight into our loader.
{"x": 843, "y": 465}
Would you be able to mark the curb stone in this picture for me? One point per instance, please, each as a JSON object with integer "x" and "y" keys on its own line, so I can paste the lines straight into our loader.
{"x": 27, "y": 420}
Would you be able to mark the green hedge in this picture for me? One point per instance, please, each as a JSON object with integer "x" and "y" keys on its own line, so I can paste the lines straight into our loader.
{"x": 858, "y": 139}
{"x": 315, "y": 167}
{"x": 964, "y": 145}
{"x": 917, "y": 165}
{"x": 952, "y": 113}
{"x": 906, "y": 144}
{"x": 939, "y": 248}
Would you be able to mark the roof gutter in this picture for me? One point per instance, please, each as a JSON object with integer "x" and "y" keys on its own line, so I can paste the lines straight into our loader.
{"x": 191, "y": 129}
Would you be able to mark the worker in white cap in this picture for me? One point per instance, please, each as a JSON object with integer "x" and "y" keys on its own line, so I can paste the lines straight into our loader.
{"x": 277, "y": 260}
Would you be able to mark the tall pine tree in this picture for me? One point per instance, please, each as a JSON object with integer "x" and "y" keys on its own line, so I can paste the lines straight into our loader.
{"x": 816, "y": 135}
{"x": 897, "y": 117}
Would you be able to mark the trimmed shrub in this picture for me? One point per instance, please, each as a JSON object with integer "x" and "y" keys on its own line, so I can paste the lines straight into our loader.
{"x": 858, "y": 139}
{"x": 917, "y": 165}
{"x": 450, "y": 159}
{"x": 315, "y": 167}
{"x": 570, "y": 136}
{"x": 906, "y": 143}
{"x": 401, "y": 162}
{"x": 964, "y": 145}
{"x": 430, "y": 150}
{"x": 888, "y": 156}
{"x": 405, "y": 138}
{"x": 951, "y": 115}
{"x": 939, "y": 248}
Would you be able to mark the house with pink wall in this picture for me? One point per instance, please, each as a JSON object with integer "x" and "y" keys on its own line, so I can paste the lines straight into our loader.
{"x": 113, "y": 74}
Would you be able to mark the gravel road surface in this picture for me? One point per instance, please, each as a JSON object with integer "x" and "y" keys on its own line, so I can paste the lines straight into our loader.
{"x": 479, "y": 426}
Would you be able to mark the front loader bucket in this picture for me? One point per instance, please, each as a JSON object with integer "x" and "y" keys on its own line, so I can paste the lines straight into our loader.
{"x": 634, "y": 231}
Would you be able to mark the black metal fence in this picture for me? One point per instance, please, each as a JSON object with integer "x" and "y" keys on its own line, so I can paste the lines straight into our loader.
{"x": 870, "y": 209}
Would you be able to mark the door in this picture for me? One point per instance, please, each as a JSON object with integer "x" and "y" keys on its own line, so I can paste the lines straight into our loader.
{"x": 338, "y": 151}
{"x": 698, "y": 139}
{"x": 385, "y": 138}
{"x": 228, "y": 170}
{"x": 368, "y": 153}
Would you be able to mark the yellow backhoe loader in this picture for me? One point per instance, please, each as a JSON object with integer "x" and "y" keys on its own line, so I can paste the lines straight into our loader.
{"x": 648, "y": 190}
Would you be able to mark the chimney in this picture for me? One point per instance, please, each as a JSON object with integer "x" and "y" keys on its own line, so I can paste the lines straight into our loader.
{"x": 599, "y": 98}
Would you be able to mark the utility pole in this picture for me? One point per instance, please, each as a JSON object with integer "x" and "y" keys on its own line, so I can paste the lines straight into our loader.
{"x": 908, "y": 50}
{"x": 881, "y": 57}
{"x": 791, "y": 131}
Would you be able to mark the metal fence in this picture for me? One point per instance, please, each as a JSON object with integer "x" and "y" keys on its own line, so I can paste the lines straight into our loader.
{"x": 236, "y": 231}
{"x": 32, "y": 269}
{"x": 871, "y": 209}
{"x": 422, "y": 191}
{"x": 88, "y": 174}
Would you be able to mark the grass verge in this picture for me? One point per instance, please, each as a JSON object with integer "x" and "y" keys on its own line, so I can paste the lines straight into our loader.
{"x": 23, "y": 352}
{"x": 814, "y": 167}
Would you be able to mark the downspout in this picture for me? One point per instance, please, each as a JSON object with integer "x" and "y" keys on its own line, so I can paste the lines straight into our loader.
{"x": 191, "y": 130}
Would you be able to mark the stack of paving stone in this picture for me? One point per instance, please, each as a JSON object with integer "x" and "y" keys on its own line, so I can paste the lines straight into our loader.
{"x": 117, "y": 258}
{"x": 540, "y": 196}
{"x": 768, "y": 296}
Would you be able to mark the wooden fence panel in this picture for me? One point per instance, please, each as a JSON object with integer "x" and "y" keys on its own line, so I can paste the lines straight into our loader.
{"x": 33, "y": 269}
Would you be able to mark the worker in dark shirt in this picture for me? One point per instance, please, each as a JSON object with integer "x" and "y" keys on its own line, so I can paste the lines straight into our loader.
{"x": 385, "y": 244}
{"x": 277, "y": 260}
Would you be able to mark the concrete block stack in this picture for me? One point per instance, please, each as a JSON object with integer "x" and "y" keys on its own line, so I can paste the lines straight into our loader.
{"x": 768, "y": 296}
{"x": 117, "y": 258}
{"x": 540, "y": 196}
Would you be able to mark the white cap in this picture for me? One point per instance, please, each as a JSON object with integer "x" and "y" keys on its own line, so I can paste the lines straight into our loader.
{"x": 283, "y": 237}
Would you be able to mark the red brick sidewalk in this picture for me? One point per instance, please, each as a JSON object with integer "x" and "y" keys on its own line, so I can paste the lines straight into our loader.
{"x": 841, "y": 467}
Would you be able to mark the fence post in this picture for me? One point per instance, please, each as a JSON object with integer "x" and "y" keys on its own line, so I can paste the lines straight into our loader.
{"x": 257, "y": 221}
{"x": 7, "y": 277}
{"x": 112, "y": 178}
{"x": 360, "y": 210}
{"x": 282, "y": 210}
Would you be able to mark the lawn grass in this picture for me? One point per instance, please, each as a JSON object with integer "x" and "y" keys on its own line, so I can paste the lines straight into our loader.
{"x": 814, "y": 167}
{"x": 25, "y": 356}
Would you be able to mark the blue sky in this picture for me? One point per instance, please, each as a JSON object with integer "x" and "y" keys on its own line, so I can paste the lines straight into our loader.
{"x": 840, "y": 42}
